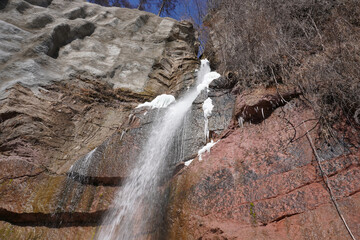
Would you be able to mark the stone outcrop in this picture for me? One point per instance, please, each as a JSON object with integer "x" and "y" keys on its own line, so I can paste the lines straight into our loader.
{"x": 71, "y": 73}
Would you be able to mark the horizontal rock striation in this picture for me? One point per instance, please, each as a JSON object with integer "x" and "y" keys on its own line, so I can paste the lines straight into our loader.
{"x": 52, "y": 220}
{"x": 71, "y": 73}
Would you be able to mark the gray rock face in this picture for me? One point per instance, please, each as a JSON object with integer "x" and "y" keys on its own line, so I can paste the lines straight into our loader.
{"x": 41, "y": 3}
{"x": 3, "y": 4}
{"x": 45, "y": 41}
{"x": 223, "y": 102}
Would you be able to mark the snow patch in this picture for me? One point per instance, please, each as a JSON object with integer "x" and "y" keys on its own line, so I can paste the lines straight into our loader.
{"x": 206, "y": 148}
{"x": 161, "y": 101}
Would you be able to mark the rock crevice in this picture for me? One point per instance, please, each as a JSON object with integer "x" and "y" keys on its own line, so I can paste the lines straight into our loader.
{"x": 52, "y": 220}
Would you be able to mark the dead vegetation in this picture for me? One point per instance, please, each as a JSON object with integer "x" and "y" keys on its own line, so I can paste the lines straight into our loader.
{"x": 312, "y": 44}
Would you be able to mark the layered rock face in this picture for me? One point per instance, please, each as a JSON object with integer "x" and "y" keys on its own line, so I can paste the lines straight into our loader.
{"x": 70, "y": 74}
{"x": 262, "y": 181}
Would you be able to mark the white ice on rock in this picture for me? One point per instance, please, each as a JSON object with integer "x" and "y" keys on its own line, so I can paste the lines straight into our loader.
{"x": 208, "y": 78}
{"x": 206, "y": 148}
{"x": 161, "y": 101}
{"x": 187, "y": 163}
{"x": 207, "y": 108}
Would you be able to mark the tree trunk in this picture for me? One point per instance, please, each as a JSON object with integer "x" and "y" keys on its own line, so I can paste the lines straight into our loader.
{"x": 141, "y": 3}
{"x": 162, "y": 7}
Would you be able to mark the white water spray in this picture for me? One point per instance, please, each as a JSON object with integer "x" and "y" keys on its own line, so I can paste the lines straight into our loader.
{"x": 134, "y": 203}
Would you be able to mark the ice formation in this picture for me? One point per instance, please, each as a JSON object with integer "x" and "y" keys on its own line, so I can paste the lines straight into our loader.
{"x": 207, "y": 108}
{"x": 208, "y": 78}
{"x": 206, "y": 148}
{"x": 187, "y": 163}
{"x": 161, "y": 101}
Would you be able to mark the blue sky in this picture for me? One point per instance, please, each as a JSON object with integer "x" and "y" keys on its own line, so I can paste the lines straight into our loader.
{"x": 177, "y": 14}
{"x": 184, "y": 9}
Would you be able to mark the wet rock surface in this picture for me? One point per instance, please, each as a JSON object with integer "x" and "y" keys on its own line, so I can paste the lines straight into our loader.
{"x": 194, "y": 135}
{"x": 71, "y": 74}
{"x": 113, "y": 159}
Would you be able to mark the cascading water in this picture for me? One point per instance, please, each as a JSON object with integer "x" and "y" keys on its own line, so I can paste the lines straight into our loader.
{"x": 134, "y": 204}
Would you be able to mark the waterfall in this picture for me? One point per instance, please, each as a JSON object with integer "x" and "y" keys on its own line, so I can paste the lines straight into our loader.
{"x": 134, "y": 204}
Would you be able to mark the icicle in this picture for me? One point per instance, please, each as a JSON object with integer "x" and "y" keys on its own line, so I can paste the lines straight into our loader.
{"x": 241, "y": 122}
{"x": 207, "y": 108}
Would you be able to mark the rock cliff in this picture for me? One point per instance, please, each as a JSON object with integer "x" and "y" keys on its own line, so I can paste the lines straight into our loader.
{"x": 71, "y": 76}
{"x": 261, "y": 180}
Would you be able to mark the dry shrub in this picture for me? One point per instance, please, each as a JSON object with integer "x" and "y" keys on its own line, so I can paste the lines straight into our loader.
{"x": 314, "y": 44}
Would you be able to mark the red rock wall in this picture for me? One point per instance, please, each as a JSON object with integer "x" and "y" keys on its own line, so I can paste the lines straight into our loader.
{"x": 262, "y": 181}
